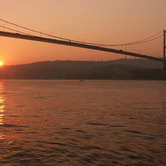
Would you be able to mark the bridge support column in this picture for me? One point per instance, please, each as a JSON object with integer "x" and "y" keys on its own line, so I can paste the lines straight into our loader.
{"x": 164, "y": 50}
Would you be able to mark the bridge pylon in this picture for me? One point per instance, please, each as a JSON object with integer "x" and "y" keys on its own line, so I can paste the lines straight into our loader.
{"x": 164, "y": 49}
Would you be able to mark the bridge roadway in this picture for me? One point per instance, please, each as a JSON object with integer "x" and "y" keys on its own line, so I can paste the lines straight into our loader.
{"x": 75, "y": 44}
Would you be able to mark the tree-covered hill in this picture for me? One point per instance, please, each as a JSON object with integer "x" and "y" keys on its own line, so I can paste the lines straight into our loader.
{"x": 117, "y": 69}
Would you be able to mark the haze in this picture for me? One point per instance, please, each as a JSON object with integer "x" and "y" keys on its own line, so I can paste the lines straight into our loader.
{"x": 97, "y": 21}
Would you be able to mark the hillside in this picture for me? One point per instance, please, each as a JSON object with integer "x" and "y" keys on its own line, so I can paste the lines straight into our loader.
{"x": 117, "y": 69}
{"x": 141, "y": 63}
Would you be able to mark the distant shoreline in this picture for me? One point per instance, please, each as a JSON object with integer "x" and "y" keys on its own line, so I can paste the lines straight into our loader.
{"x": 123, "y": 69}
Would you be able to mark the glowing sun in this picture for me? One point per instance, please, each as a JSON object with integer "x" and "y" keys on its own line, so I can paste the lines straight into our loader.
{"x": 1, "y": 63}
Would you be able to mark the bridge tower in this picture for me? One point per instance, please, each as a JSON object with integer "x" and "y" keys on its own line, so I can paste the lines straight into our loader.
{"x": 164, "y": 49}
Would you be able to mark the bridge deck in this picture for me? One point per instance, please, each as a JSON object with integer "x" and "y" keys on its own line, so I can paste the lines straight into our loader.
{"x": 82, "y": 45}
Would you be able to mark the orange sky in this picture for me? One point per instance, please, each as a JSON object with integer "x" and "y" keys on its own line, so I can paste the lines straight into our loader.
{"x": 99, "y": 21}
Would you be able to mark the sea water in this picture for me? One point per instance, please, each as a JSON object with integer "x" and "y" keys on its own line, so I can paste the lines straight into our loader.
{"x": 72, "y": 122}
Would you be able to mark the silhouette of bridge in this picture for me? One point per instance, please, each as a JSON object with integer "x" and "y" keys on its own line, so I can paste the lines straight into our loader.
{"x": 13, "y": 33}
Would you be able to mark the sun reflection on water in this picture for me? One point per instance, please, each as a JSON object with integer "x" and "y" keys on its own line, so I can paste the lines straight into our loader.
{"x": 2, "y": 105}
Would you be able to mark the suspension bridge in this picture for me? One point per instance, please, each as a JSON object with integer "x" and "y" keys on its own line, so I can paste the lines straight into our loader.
{"x": 11, "y": 30}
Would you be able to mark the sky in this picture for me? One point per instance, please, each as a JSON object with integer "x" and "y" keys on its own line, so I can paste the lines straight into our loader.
{"x": 97, "y": 21}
